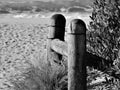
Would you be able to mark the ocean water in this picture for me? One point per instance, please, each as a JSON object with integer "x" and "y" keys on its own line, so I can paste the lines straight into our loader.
{"x": 42, "y": 18}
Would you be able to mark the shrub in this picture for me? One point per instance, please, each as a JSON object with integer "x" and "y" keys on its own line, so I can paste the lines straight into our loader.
{"x": 104, "y": 34}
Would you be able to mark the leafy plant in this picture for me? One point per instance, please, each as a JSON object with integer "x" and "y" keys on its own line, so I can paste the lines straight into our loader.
{"x": 104, "y": 34}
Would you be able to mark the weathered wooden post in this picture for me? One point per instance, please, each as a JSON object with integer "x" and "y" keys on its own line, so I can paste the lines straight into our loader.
{"x": 76, "y": 55}
{"x": 56, "y": 31}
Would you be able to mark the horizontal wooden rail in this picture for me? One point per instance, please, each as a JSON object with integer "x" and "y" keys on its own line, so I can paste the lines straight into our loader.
{"x": 59, "y": 47}
{"x": 91, "y": 59}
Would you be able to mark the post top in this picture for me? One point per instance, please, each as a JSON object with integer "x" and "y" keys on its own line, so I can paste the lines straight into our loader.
{"x": 77, "y": 26}
{"x": 58, "y": 20}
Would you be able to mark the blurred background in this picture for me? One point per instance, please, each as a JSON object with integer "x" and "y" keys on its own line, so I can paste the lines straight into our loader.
{"x": 31, "y": 10}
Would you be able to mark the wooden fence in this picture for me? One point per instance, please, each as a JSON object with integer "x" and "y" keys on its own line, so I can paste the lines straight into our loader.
{"x": 74, "y": 48}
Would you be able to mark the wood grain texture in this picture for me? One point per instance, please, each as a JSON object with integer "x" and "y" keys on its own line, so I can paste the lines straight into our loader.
{"x": 76, "y": 54}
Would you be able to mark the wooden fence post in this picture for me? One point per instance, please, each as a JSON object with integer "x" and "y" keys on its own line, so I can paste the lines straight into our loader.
{"x": 56, "y": 31}
{"x": 76, "y": 55}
